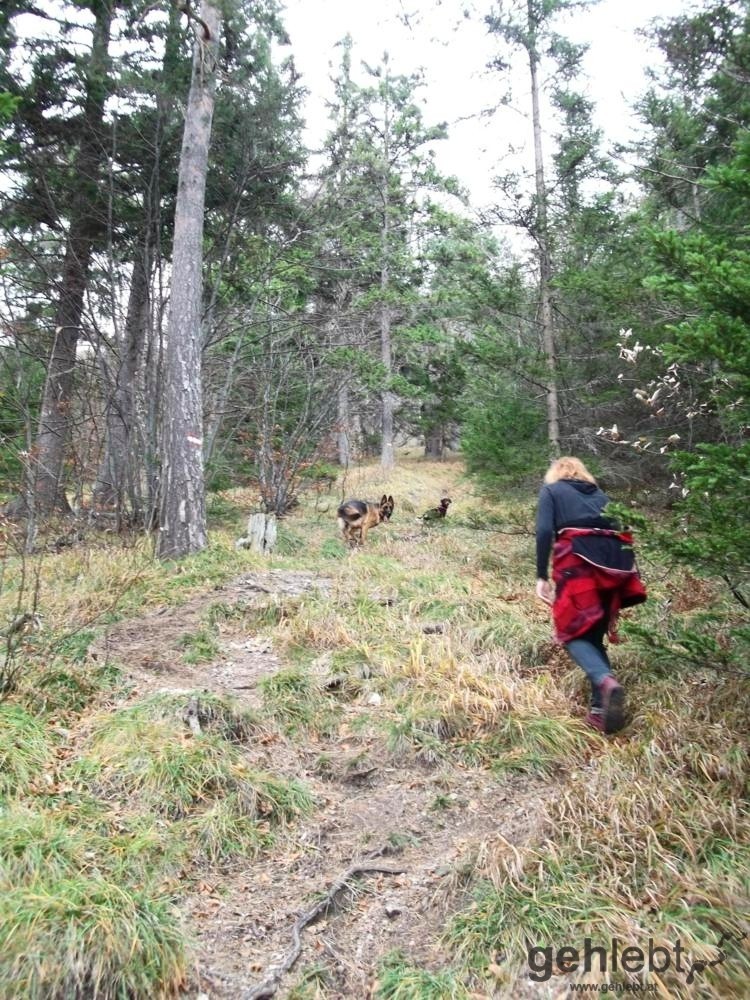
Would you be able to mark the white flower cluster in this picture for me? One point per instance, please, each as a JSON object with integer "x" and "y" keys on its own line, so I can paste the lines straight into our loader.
{"x": 672, "y": 387}
{"x": 631, "y": 353}
{"x": 676, "y": 484}
{"x": 642, "y": 443}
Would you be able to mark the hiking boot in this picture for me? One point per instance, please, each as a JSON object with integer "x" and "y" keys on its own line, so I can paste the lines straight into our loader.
{"x": 595, "y": 719}
{"x": 613, "y": 705}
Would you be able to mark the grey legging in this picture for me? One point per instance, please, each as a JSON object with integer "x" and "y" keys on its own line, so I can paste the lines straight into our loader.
{"x": 590, "y": 654}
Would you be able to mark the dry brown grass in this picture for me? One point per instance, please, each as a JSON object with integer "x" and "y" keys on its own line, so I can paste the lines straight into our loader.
{"x": 648, "y": 835}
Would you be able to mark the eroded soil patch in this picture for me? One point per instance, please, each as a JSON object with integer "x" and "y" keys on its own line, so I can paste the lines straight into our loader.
{"x": 151, "y": 649}
{"x": 244, "y": 926}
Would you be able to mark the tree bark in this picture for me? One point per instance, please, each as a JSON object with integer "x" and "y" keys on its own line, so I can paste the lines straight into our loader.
{"x": 344, "y": 429}
{"x": 182, "y": 520}
{"x": 118, "y": 480}
{"x": 127, "y": 470}
{"x": 388, "y": 400}
{"x": 434, "y": 443}
{"x": 542, "y": 237}
{"x": 48, "y": 491}
{"x": 261, "y": 534}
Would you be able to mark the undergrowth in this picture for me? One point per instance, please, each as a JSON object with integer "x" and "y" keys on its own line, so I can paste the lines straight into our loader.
{"x": 430, "y": 648}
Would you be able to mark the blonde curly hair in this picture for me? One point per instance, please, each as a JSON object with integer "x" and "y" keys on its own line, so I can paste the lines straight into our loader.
{"x": 568, "y": 467}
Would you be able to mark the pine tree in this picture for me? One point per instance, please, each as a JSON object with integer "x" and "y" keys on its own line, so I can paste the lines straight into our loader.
{"x": 526, "y": 25}
{"x": 59, "y": 158}
{"x": 379, "y": 175}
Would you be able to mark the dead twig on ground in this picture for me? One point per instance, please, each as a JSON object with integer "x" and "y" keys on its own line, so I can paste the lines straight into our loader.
{"x": 493, "y": 529}
{"x": 274, "y": 973}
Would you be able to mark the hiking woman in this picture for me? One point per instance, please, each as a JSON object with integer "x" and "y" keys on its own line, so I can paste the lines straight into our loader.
{"x": 594, "y": 574}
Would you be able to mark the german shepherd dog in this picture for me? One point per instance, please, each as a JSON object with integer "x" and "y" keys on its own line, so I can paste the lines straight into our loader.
{"x": 356, "y": 517}
{"x": 437, "y": 513}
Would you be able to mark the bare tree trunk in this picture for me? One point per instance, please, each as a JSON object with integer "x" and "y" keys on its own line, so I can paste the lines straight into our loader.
{"x": 48, "y": 493}
{"x": 542, "y": 237}
{"x": 149, "y": 388}
{"x": 695, "y": 195}
{"x": 434, "y": 443}
{"x": 149, "y": 403}
{"x": 128, "y": 464}
{"x": 57, "y": 401}
{"x": 343, "y": 422}
{"x": 337, "y": 335}
{"x": 118, "y": 480}
{"x": 388, "y": 400}
{"x": 182, "y": 521}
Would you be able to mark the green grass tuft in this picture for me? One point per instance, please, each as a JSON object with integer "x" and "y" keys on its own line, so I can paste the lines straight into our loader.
{"x": 422, "y": 730}
{"x": 171, "y": 770}
{"x": 225, "y": 830}
{"x": 398, "y": 980}
{"x": 294, "y": 699}
{"x": 62, "y": 688}
{"x": 180, "y": 775}
{"x": 312, "y": 984}
{"x": 36, "y": 844}
{"x": 84, "y": 936}
{"x": 289, "y": 543}
{"x": 200, "y": 647}
{"x": 240, "y": 824}
{"x": 217, "y": 714}
{"x": 75, "y": 645}
{"x": 332, "y": 548}
{"x": 24, "y": 749}
{"x": 537, "y": 744}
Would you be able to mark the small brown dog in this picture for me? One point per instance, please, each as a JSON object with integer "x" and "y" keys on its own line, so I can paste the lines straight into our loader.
{"x": 356, "y": 517}
{"x": 437, "y": 513}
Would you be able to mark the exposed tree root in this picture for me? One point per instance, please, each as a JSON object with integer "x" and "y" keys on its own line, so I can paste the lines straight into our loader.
{"x": 274, "y": 973}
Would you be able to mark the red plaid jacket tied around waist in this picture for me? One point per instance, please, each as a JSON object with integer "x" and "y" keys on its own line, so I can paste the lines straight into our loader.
{"x": 595, "y": 575}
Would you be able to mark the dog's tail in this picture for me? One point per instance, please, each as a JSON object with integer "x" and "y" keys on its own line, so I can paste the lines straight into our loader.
{"x": 350, "y": 510}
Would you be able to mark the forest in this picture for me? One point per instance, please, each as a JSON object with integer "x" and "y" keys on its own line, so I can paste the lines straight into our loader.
{"x": 324, "y": 770}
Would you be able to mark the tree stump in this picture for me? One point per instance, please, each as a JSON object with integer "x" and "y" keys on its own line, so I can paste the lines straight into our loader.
{"x": 261, "y": 534}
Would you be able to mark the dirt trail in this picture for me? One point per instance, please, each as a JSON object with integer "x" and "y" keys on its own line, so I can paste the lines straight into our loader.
{"x": 429, "y": 818}
{"x": 247, "y": 928}
{"x": 150, "y": 649}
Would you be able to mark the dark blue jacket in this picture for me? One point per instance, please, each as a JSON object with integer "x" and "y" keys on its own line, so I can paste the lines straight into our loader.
{"x": 568, "y": 503}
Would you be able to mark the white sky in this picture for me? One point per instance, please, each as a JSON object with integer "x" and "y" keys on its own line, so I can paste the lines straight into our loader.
{"x": 454, "y": 51}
